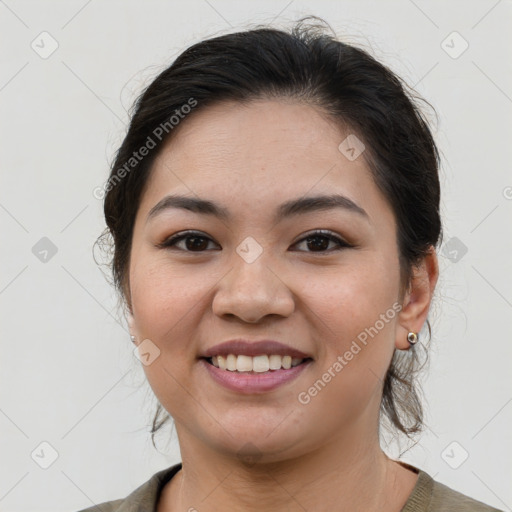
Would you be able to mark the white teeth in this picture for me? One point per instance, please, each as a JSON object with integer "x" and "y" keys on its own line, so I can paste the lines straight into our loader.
{"x": 259, "y": 364}
{"x": 243, "y": 363}
{"x": 231, "y": 363}
{"x": 275, "y": 362}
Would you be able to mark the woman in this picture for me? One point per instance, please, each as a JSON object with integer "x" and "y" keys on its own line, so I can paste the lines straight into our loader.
{"x": 274, "y": 210}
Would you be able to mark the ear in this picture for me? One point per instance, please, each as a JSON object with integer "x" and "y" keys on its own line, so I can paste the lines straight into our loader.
{"x": 417, "y": 299}
{"x": 131, "y": 322}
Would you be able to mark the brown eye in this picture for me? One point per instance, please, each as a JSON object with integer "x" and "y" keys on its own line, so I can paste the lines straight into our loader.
{"x": 319, "y": 241}
{"x": 194, "y": 242}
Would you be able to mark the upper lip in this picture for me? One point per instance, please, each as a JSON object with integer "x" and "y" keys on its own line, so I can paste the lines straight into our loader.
{"x": 254, "y": 348}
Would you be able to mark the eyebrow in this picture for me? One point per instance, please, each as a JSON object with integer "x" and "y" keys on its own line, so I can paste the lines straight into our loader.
{"x": 300, "y": 206}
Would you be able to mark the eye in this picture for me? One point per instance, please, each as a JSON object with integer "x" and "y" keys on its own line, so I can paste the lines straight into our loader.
{"x": 320, "y": 240}
{"x": 198, "y": 241}
{"x": 195, "y": 241}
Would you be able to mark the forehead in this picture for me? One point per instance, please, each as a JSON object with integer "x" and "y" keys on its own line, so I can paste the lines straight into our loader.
{"x": 258, "y": 154}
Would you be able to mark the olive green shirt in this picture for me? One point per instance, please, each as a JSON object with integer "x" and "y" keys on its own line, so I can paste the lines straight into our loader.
{"x": 428, "y": 495}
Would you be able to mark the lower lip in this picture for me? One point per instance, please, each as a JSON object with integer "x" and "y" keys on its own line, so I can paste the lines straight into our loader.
{"x": 245, "y": 382}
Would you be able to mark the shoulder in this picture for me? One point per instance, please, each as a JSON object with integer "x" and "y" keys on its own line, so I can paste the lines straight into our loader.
{"x": 106, "y": 506}
{"x": 445, "y": 498}
{"x": 143, "y": 499}
{"x": 429, "y": 495}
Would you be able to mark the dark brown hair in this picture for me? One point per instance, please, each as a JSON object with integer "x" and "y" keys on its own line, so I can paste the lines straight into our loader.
{"x": 343, "y": 82}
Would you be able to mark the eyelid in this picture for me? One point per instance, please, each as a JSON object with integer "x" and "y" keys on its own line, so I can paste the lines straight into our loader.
{"x": 323, "y": 232}
{"x": 330, "y": 235}
{"x": 177, "y": 237}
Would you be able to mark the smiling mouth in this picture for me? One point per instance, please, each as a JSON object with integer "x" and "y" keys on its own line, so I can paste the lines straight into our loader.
{"x": 257, "y": 364}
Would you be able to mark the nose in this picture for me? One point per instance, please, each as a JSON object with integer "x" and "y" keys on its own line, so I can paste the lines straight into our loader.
{"x": 251, "y": 291}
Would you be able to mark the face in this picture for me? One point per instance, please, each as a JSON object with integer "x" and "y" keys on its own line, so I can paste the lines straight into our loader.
{"x": 254, "y": 276}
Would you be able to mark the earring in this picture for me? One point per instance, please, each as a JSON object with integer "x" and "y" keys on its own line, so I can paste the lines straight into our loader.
{"x": 412, "y": 338}
{"x": 133, "y": 338}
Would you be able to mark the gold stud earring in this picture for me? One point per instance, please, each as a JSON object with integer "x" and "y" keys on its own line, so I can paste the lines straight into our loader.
{"x": 412, "y": 338}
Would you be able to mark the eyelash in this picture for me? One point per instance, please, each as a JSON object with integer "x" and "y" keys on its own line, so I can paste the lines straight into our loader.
{"x": 173, "y": 240}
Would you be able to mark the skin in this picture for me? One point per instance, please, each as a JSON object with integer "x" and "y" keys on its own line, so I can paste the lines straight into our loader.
{"x": 324, "y": 455}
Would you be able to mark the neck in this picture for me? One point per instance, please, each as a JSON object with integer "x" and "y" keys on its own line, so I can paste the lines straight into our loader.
{"x": 342, "y": 476}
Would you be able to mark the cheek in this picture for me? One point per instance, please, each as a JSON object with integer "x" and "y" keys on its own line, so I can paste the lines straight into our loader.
{"x": 163, "y": 296}
{"x": 354, "y": 350}
{"x": 164, "y": 303}
{"x": 356, "y": 313}
{"x": 351, "y": 298}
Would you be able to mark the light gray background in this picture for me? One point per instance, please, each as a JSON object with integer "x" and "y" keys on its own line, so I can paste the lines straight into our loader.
{"x": 68, "y": 375}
